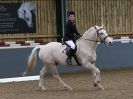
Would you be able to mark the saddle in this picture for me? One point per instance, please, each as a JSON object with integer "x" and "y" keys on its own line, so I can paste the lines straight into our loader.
{"x": 68, "y": 48}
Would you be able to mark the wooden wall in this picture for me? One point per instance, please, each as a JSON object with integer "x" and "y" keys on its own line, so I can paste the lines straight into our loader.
{"x": 45, "y": 21}
{"x": 115, "y": 15}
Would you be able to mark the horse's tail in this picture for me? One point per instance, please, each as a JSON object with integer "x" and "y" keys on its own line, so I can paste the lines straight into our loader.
{"x": 31, "y": 61}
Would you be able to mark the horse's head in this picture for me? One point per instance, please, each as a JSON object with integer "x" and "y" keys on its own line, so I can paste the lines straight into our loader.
{"x": 102, "y": 35}
{"x": 97, "y": 34}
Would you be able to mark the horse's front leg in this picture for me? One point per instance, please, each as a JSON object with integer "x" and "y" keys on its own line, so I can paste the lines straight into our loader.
{"x": 98, "y": 85}
{"x": 96, "y": 73}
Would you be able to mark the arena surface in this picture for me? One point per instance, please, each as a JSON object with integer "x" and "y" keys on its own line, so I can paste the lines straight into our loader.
{"x": 118, "y": 84}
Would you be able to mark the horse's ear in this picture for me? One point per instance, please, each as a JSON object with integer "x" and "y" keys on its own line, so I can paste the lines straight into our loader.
{"x": 102, "y": 26}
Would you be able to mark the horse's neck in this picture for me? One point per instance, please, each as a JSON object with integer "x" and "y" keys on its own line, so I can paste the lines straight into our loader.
{"x": 90, "y": 34}
{"x": 86, "y": 44}
{"x": 89, "y": 39}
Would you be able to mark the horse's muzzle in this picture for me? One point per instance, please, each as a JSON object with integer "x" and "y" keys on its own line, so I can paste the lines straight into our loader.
{"x": 110, "y": 43}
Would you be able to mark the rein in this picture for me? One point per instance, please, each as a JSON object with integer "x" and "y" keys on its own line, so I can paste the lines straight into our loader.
{"x": 90, "y": 40}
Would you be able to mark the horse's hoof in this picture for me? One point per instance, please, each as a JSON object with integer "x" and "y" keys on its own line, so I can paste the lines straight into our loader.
{"x": 68, "y": 88}
{"x": 24, "y": 74}
{"x": 43, "y": 89}
{"x": 98, "y": 86}
{"x": 95, "y": 84}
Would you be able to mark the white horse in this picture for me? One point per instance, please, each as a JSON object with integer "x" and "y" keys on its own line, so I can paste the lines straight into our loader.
{"x": 51, "y": 54}
{"x": 24, "y": 12}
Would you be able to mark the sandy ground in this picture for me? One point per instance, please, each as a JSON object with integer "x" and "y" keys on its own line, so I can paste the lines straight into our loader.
{"x": 118, "y": 84}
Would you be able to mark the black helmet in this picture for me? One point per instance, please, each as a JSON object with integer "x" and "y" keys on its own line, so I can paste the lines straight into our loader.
{"x": 70, "y": 13}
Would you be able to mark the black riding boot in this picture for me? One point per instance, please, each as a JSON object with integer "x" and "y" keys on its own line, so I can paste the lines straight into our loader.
{"x": 70, "y": 53}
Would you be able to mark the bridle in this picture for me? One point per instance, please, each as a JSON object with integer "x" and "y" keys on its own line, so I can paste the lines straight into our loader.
{"x": 102, "y": 40}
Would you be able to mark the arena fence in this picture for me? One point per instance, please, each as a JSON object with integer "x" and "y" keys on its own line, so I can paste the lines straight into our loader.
{"x": 119, "y": 55}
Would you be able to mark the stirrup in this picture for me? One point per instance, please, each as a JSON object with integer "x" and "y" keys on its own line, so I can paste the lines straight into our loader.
{"x": 68, "y": 61}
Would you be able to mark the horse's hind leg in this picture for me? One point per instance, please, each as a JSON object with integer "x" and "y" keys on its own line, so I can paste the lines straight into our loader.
{"x": 56, "y": 76}
{"x": 42, "y": 75}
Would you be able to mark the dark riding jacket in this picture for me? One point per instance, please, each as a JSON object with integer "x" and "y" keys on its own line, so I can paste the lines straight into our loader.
{"x": 71, "y": 31}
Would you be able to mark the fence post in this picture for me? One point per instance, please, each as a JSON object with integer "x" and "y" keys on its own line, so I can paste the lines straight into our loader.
{"x": 63, "y": 8}
{"x": 61, "y": 17}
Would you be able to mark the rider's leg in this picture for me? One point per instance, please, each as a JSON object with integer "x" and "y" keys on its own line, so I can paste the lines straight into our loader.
{"x": 70, "y": 53}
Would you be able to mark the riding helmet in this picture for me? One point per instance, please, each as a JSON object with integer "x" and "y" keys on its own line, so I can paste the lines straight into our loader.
{"x": 70, "y": 13}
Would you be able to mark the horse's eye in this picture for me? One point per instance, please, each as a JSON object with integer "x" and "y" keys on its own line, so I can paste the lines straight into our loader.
{"x": 101, "y": 33}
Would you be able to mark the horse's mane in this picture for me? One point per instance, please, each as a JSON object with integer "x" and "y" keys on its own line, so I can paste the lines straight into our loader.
{"x": 88, "y": 31}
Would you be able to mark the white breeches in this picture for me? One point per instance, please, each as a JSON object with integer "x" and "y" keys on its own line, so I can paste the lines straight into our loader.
{"x": 71, "y": 44}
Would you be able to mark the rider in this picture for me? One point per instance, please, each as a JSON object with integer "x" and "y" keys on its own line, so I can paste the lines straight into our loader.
{"x": 69, "y": 36}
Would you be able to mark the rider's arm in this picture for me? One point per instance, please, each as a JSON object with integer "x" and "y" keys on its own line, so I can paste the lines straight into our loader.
{"x": 76, "y": 32}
